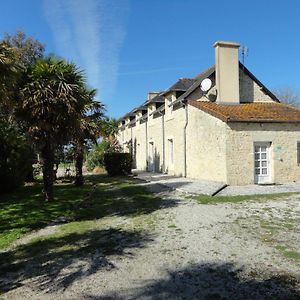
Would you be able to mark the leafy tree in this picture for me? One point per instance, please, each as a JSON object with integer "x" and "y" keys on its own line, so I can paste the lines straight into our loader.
{"x": 15, "y": 156}
{"x": 95, "y": 157}
{"x": 17, "y": 52}
{"x": 28, "y": 49}
{"x": 51, "y": 110}
{"x": 288, "y": 95}
{"x": 15, "y": 153}
{"x": 9, "y": 75}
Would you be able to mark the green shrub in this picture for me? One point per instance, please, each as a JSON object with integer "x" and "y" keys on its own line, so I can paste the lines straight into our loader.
{"x": 15, "y": 157}
{"x": 117, "y": 163}
{"x": 95, "y": 157}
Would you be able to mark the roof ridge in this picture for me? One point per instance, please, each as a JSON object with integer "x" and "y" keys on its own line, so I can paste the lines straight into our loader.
{"x": 203, "y": 72}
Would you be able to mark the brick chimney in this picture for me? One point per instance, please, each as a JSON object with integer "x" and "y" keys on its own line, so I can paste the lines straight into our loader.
{"x": 227, "y": 72}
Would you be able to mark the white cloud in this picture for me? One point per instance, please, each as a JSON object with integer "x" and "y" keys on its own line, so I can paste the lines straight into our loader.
{"x": 90, "y": 33}
{"x": 149, "y": 71}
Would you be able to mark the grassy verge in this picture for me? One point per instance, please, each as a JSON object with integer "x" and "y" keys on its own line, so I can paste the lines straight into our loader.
{"x": 291, "y": 254}
{"x": 101, "y": 196}
{"x": 204, "y": 199}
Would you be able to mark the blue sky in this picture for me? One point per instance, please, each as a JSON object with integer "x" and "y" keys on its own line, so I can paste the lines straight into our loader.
{"x": 129, "y": 47}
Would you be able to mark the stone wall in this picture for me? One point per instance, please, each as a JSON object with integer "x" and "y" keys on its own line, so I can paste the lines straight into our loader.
{"x": 206, "y": 150}
{"x": 240, "y": 139}
{"x": 174, "y": 131}
{"x": 250, "y": 91}
{"x": 155, "y": 144}
{"x": 140, "y": 139}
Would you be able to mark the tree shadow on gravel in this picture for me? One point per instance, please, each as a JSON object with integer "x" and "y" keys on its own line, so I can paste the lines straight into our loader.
{"x": 54, "y": 263}
{"x": 101, "y": 196}
{"x": 124, "y": 200}
{"x": 212, "y": 281}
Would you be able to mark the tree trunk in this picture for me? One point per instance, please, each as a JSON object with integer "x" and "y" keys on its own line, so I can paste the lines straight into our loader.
{"x": 47, "y": 154}
{"x": 79, "y": 162}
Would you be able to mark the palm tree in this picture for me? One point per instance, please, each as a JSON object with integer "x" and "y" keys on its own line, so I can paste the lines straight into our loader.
{"x": 109, "y": 129}
{"x": 51, "y": 110}
{"x": 88, "y": 129}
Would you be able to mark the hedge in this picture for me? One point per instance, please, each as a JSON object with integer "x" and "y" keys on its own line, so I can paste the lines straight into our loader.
{"x": 117, "y": 163}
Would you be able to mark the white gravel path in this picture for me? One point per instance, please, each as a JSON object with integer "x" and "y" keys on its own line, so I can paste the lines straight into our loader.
{"x": 194, "y": 251}
{"x": 205, "y": 187}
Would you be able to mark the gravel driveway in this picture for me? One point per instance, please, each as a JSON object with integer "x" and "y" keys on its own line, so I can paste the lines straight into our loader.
{"x": 183, "y": 251}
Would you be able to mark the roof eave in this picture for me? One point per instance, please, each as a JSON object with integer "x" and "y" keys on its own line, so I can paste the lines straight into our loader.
{"x": 261, "y": 121}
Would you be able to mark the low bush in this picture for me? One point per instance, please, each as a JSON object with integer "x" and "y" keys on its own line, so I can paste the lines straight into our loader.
{"x": 117, "y": 163}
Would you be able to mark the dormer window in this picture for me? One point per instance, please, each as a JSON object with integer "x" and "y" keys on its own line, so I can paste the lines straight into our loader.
{"x": 179, "y": 93}
{"x": 158, "y": 105}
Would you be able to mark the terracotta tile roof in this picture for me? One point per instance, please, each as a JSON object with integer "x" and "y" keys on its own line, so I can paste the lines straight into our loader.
{"x": 250, "y": 112}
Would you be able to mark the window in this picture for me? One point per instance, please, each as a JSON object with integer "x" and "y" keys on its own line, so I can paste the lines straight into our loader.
{"x": 298, "y": 153}
{"x": 261, "y": 159}
{"x": 171, "y": 151}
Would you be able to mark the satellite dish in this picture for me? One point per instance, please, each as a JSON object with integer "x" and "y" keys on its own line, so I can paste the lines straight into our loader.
{"x": 205, "y": 85}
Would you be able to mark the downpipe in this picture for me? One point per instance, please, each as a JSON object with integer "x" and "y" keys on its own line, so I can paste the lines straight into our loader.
{"x": 184, "y": 137}
{"x": 164, "y": 142}
{"x": 146, "y": 129}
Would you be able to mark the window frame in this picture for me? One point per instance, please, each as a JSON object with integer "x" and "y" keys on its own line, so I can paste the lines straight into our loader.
{"x": 171, "y": 151}
{"x": 298, "y": 153}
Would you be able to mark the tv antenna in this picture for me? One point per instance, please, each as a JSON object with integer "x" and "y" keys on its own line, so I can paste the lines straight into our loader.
{"x": 245, "y": 53}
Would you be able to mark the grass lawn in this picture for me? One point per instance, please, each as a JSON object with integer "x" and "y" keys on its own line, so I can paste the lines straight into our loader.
{"x": 105, "y": 217}
{"x": 204, "y": 199}
{"x": 25, "y": 209}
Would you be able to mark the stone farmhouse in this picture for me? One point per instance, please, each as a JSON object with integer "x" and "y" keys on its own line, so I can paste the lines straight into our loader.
{"x": 222, "y": 125}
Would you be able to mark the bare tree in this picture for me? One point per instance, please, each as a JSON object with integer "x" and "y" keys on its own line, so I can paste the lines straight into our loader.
{"x": 288, "y": 95}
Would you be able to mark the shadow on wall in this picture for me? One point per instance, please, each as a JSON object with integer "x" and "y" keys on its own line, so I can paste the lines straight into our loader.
{"x": 246, "y": 87}
{"x": 134, "y": 153}
{"x": 132, "y": 148}
{"x": 211, "y": 281}
{"x": 154, "y": 161}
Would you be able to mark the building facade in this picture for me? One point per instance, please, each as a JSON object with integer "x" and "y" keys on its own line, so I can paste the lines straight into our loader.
{"x": 222, "y": 125}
